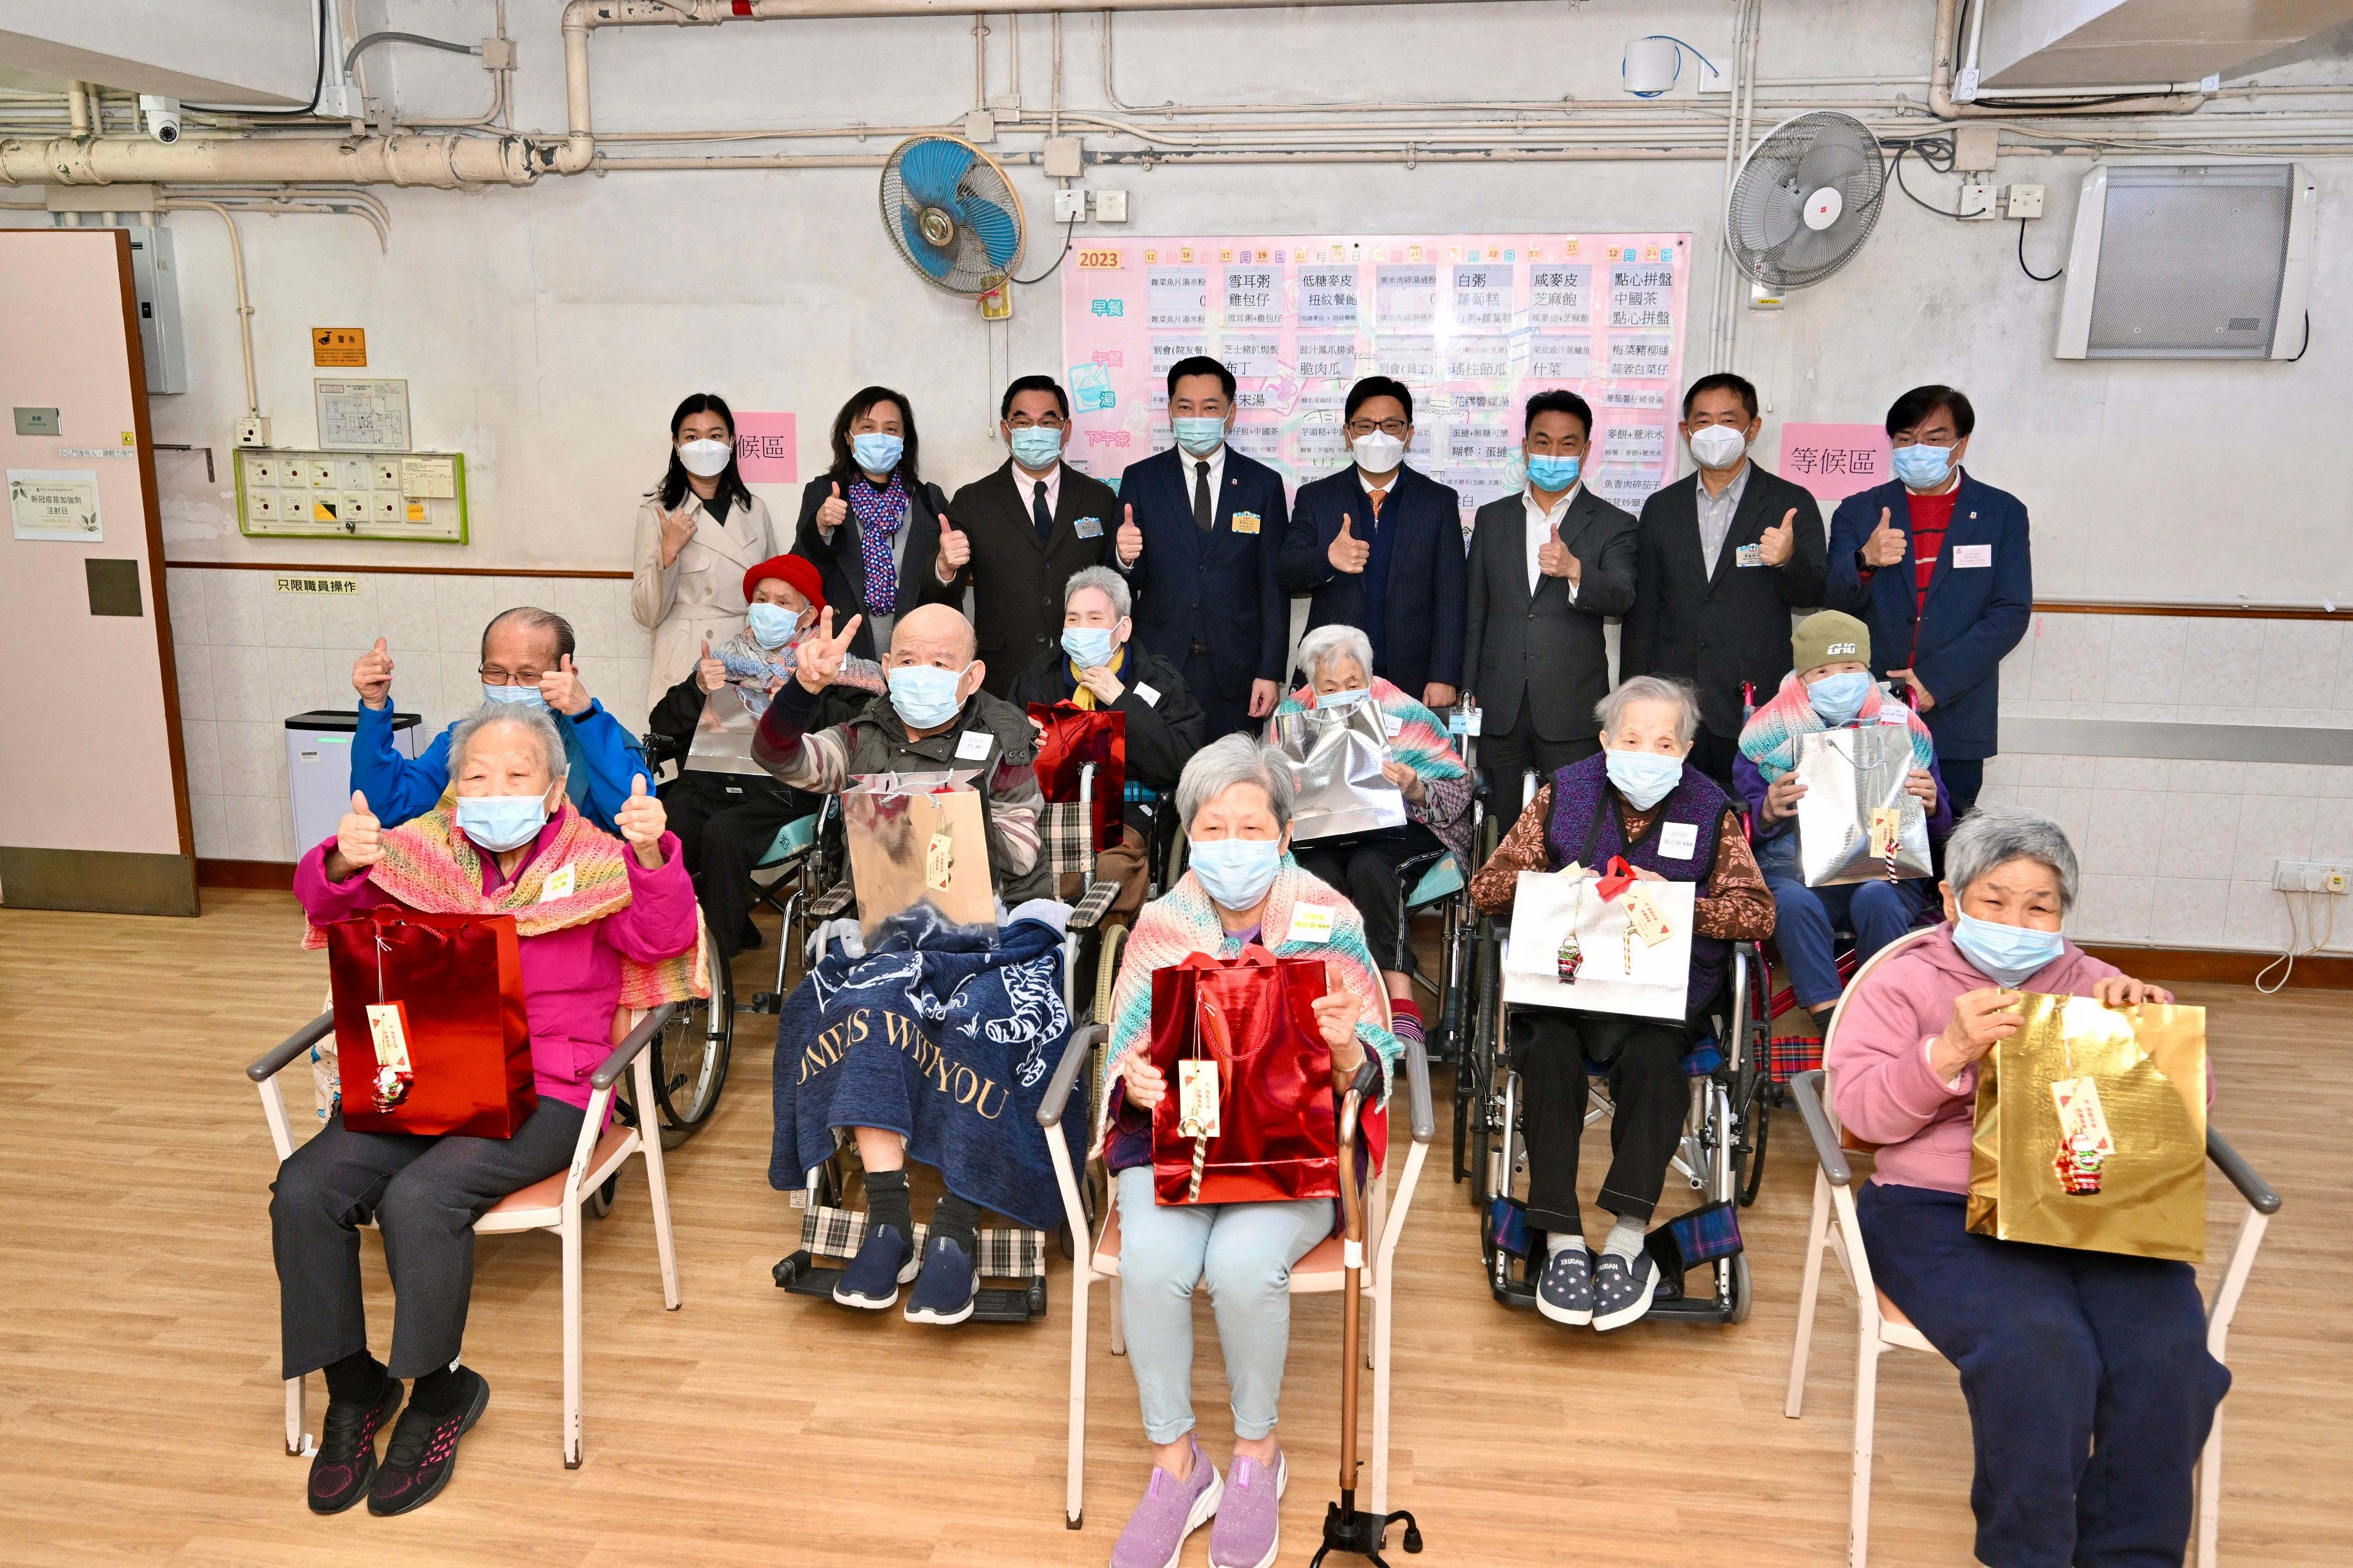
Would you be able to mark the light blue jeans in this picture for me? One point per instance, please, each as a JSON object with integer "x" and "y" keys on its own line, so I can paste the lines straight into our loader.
{"x": 1243, "y": 1253}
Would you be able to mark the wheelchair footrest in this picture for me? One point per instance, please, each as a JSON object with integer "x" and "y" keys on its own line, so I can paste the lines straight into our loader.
{"x": 831, "y": 902}
{"x": 766, "y": 1002}
{"x": 1006, "y": 1252}
{"x": 991, "y": 1304}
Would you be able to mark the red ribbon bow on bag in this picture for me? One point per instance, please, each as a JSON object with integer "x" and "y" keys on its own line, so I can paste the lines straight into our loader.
{"x": 1615, "y": 879}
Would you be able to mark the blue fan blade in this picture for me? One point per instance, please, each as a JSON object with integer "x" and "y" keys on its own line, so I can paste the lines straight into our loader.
{"x": 998, "y": 231}
{"x": 930, "y": 172}
{"x": 925, "y": 255}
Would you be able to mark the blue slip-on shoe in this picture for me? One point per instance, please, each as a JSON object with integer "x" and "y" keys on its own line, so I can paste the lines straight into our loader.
{"x": 946, "y": 1288}
{"x": 1564, "y": 1288}
{"x": 884, "y": 1262}
{"x": 1622, "y": 1292}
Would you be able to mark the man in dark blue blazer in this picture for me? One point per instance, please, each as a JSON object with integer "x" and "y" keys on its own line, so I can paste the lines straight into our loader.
{"x": 1938, "y": 564}
{"x": 1200, "y": 536}
{"x": 1380, "y": 547}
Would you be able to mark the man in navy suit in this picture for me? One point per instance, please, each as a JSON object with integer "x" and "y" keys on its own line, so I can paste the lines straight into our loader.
{"x": 1380, "y": 546}
{"x": 1938, "y": 564}
{"x": 1200, "y": 538}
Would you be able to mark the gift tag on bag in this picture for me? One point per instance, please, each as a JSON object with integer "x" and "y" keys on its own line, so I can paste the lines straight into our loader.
{"x": 939, "y": 859}
{"x": 1642, "y": 914}
{"x": 1886, "y": 824}
{"x": 1196, "y": 1098}
{"x": 388, "y": 1032}
{"x": 2080, "y": 1113}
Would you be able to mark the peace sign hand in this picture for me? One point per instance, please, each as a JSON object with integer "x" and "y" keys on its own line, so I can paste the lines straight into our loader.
{"x": 1775, "y": 544}
{"x": 641, "y": 820}
{"x": 821, "y": 652}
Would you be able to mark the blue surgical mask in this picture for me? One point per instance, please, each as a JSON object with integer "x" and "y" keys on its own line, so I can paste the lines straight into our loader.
{"x": 1922, "y": 467}
{"x": 876, "y": 452}
{"x": 1089, "y": 646}
{"x": 773, "y": 626}
{"x": 1235, "y": 872}
{"x": 925, "y": 695}
{"x": 1552, "y": 475}
{"x": 1200, "y": 436}
{"x": 2006, "y": 954}
{"x": 1643, "y": 777}
{"x": 1837, "y": 699}
{"x": 1348, "y": 698}
{"x": 526, "y": 695}
{"x": 1037, "y": 448}
{"x": 500, "y": 821}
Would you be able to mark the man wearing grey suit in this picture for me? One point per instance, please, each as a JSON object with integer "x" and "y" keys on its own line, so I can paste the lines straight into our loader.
{"x": 1546, "y": 566}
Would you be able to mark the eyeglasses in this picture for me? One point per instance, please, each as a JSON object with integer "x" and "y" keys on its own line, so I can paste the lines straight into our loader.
{"x": 493, "y": 675}
{"x": 1050, "y": 422}
{"x": 1358, "y": 429}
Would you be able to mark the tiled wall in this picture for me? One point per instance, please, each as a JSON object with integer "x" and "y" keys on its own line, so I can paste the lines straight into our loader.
{"x": 250, "y": 657}
{"x": 2175, "y": 852}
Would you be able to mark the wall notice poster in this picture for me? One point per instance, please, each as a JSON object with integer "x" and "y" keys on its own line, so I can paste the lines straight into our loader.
{"x": 1472, "y": 323}
{"x": 55, "y": 503}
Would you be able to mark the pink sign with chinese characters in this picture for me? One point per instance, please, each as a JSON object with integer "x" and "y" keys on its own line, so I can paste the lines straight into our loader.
{"x": 1834, "y": 461}
{"x": 763, "y": 448}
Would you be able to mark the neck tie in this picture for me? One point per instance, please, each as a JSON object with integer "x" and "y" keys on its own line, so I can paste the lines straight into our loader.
{"x": 1377, "y": 497}
{"x": 1203, "y": 516}
{"x": 1041, "y": 514}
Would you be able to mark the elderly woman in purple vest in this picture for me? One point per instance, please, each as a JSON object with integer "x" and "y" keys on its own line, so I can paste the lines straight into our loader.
{"x": 1638, "y": 799}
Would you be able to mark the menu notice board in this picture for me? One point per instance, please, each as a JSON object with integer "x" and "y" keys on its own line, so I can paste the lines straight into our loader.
{"x": 1472, "y": 324}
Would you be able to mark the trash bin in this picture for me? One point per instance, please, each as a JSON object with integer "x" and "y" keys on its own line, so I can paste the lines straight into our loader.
{"x": 319, "y": 767}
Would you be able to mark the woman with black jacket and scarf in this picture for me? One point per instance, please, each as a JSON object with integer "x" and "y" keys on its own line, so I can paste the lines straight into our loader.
{"x": 872, "y": 524}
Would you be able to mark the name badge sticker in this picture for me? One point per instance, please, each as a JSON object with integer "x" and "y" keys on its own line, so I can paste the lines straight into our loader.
{"x": 1893, "y": 713}
{"x": 1147, "y": 695}
{"x": 1678, "y": 841}
{"x": 1748, "y": 555}
{"x": 1311, "y": 924}
{"x": 972, "y": 746}
{"x": 1245, "y": 522}
{"x": 1394, "y": 725}
{"x": 557, "y": 886}
{"x": 1087, "y": 528}
{"x": 1968, "y": 556}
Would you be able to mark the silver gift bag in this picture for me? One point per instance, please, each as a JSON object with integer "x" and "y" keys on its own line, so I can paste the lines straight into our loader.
{"x": 1848, "y": 775}
{"x": 1334, "y": 757}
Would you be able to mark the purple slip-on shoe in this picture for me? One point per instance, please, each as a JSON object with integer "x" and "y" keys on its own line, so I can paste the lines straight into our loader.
{"x": 1249, "y": 1519}
{"x": 1170, "y": 1511}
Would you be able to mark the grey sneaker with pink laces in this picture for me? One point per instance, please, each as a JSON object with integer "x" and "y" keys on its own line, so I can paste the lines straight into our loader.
{"x": 1249, "y": 1520}
{"x": 1171, "y": 1510}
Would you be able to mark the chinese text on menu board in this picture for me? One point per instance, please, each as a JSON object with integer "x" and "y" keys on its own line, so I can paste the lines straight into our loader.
{"x": 1472, "y": 323}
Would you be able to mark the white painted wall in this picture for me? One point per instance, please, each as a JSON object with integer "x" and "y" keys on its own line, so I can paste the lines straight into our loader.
{"x": 255, "y": 52}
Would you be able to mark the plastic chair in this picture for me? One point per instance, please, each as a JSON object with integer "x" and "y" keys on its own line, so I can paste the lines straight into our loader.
{"x": 1321, "y": 1271}
{"x": 1881, "y": 1325}
{"x": 552, "y": 1202}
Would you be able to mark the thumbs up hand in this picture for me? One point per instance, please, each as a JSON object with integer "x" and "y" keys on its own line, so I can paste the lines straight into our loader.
{"x": 560, "y": 689}
{"x": 956, "y": 550}
{"x": 1129, "y": 541}
{"x": 1885, "y": 545}
{"x": 1348, "y": 554}
{"x": 817, "y": 662}
{"x": 1554, "y": 559}
{"x": 1775, "y": 544}
{"x": 832, "y": 513}
{"x": 372, "y": 676}
{"x": 359, "y": 841}
{"x": 641, "y": 820}
{"x": 709, "y": 675}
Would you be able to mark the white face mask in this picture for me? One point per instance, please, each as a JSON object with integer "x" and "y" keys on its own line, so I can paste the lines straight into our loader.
{"x": 1377, "y": 451}
{"x": 706, "y": 459}
{"x": 1717, "y": 446}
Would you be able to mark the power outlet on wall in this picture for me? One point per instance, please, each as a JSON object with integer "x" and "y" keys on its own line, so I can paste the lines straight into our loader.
{"x": 2310, "y": 877}
{"x": 1976, "y": 201}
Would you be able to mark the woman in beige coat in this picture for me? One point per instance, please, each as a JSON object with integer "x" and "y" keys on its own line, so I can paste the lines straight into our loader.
{"x": 697, "y": 533}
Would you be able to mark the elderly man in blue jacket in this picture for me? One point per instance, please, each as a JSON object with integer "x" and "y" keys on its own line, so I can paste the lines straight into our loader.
{"x": 1938, "y": 564}
{"x": 526, "y": 658}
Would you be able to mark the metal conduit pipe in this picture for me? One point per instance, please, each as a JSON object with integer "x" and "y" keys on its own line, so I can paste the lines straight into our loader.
{"x": 443, "y": 161}
{"x": 244, "y": 302}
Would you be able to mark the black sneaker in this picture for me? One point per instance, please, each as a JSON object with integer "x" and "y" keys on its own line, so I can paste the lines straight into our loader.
{"x": 885, "y": 1261}
{"x": 1623, "y": 1293}
{"x": 945, "y": 1290}
{"x": 1564, "y": 1288}
{"x": 346, "y": 1461}
{"x": 423, "y": 1452}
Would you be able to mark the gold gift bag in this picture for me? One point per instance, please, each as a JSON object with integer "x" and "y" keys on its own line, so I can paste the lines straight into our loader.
{"x": 2126, "y": 1172}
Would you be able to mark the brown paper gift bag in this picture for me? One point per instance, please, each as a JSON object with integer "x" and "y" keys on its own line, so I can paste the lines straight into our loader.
{"x": 918, "y": 838}
{"x": 2129, "y": 1175}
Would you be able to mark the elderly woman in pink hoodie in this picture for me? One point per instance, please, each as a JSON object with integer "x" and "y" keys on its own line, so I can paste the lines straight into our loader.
{"x": 2089, "y": 1386}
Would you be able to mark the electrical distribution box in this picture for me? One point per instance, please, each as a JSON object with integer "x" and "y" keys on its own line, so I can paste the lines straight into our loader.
{"x": 162, "y": 340}
{"x": 337, "y": 495}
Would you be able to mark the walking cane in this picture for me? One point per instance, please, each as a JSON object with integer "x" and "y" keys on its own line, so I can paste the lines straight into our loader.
{"x": 1347, "y": 1528}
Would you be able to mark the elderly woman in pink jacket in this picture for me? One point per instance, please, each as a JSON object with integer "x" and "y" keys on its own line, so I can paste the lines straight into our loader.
{"x": 2089, "y": 1386}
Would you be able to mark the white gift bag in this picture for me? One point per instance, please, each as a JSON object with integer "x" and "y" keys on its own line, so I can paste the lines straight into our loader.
{"x": 1547, "y": 903}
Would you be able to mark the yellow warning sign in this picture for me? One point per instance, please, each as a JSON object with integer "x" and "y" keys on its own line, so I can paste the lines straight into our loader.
{"x": 343, "y": 347}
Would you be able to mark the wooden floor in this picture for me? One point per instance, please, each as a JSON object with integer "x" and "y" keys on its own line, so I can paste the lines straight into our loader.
{"x": 140, "y": 1405}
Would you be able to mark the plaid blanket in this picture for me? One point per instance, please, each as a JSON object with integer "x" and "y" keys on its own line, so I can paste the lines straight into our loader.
{"x": 945, "y": 1034}
{"x": 1001, "y": 1253}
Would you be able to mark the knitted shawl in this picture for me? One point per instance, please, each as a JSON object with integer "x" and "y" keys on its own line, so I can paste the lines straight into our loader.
{"x": 1422, "y": 744}
{"x": 1771, "y": 736}
{"x": 750, "y": 668}
{"x": 1183, "y": 920}
{"x": 431, "y": 866}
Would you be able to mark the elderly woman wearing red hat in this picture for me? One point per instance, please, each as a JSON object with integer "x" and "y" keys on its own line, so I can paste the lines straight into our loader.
{"x": 725, "y": 808}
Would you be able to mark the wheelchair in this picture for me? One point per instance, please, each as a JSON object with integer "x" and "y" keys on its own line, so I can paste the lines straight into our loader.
{"x": 1721, "y": 1155}
{"x": 1438, "y": 887}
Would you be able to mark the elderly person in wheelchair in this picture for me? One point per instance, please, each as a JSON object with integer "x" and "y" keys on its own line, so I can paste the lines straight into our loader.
{"x": 594, "y": 915}
{"x": 1641, "y": 800}
{"x": 2090, "y": 1387}
{"x": 1372, "y": 867}
{"x": 1241, "y": 887}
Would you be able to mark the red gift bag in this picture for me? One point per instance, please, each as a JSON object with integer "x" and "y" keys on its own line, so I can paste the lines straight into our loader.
{"x": 455, "y": 982}
{"x": 1278, "y": 1126}
{"x": 1073, "y": 737}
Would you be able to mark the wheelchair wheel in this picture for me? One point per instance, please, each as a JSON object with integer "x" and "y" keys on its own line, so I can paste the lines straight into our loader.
{"x": 1114, "y": 946}
{"x": 1475, "y": 1086}
{"x": 1753, "y": 1123}
{"x": 690, "y": 1054}
{"x": 599, "y": 1201}
{"x": 1743, "y": 1295}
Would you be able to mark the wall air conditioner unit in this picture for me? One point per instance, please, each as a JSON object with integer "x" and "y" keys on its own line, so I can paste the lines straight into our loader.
{"x": 2189, "y": 261}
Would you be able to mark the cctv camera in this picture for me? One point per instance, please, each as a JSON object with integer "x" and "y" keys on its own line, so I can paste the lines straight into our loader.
{"x": 163, "y": 117}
